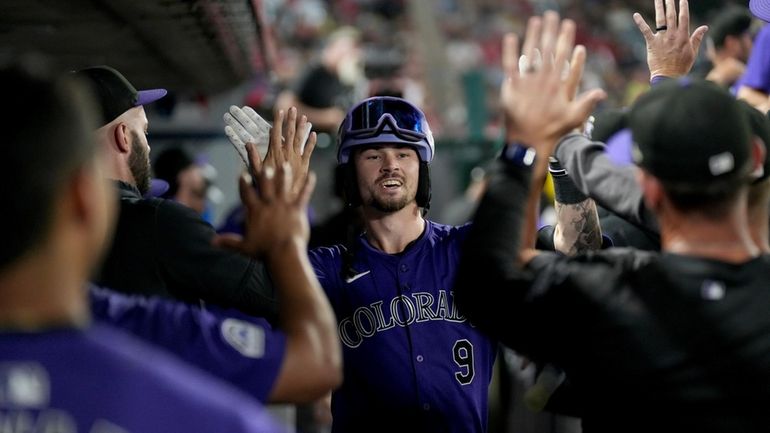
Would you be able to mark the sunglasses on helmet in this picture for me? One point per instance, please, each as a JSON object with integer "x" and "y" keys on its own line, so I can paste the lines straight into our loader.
{"x": 371, "y": 117}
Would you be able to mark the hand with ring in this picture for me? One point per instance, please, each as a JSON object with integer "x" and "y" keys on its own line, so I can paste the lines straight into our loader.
{"x": 671, "y": 49}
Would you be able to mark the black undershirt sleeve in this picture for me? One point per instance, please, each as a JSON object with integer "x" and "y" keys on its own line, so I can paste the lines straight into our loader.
{"x": 487, "y": 267}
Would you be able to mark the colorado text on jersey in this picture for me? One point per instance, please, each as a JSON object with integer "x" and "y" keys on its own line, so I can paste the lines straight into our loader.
{"x": 402, "y": 310}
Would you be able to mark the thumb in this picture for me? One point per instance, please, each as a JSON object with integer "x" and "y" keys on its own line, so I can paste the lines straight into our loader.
{"x": 697, "y": 38}
{"x": 585, "y": 104}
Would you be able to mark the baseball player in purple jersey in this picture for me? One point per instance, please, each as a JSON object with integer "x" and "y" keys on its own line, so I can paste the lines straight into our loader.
{"x": 58, "y": 372}
{"x": 411, "y": 361}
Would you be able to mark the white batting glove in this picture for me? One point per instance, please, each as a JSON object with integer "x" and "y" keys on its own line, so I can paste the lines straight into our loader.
{"x": 244, "y": 125}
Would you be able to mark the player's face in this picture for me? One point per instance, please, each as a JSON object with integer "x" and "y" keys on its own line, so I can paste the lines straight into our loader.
{"x": 387, "y": 176}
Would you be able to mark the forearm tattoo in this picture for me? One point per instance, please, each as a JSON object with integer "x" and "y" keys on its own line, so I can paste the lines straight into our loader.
{"x": 577, "y": 228}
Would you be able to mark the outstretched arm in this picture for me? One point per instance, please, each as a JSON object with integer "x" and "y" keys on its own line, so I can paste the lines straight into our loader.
{"x": 277, "y": 231}
{"x": 671, "y": 53}
{"x": 538, "y": 110}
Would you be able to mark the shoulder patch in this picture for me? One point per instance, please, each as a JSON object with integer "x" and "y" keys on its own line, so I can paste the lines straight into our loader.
{"x": 246, "y": 338}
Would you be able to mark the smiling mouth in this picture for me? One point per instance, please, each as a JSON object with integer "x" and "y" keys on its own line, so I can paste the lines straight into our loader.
{"x": 391, "y": 183}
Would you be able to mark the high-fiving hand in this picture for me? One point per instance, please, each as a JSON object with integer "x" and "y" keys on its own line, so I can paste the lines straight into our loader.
{"x": 671, "y": 50}
{"x": 539, "y": 104}
{"x": 275, "y": 216}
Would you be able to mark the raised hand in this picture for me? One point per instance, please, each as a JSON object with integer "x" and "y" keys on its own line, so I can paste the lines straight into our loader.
{"x": 671, "y": 50}
{"x": 539, "y": 104}
{"x": 294, "y": 151}
{"x": 275, "y": 216}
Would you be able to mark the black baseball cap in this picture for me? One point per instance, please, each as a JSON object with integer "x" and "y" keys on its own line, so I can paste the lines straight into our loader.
{"x": 692, "y": 135}
{"x": 115, "y": 93}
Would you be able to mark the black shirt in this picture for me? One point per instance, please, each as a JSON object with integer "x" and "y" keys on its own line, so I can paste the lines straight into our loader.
{"x": 653, "y": 342}
{"x": 164, "y": 248}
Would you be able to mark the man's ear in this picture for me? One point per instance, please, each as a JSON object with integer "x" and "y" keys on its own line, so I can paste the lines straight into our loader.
{"x": 651, "y": 189}
{"x": 121, "y": 138}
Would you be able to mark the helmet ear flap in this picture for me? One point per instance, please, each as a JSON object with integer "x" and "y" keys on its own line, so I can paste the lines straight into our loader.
{"x": 423, "y": 187}
{"x": 350, "y": 185}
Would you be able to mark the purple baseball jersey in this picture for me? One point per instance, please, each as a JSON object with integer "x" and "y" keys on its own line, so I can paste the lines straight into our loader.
{"x": 412, "y": 361}
{"x": 100, "y": 380}
{"x": 757, "y": 74}
{"x": 238, "y": 348}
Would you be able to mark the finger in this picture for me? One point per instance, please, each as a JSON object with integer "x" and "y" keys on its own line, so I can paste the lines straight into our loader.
{"x": 312, "y": 139}
{"x": 548, "y": 39}
{"x": 575, "y": 72}
{"x": 301, "y": 134}
{"x": 697, "y": 38}
{"x": 537, "y": 60}
{"x": 307, "y": 190}
{"x": 284, "y": 179}
{"x": 671, "y": 15}
{"x": 510, "y": 55}
{"x": 262, "y": 125}
{"x": 255, "y": 162}
{"x": 245, "y": 120}
{"x": 229, "y": 241}
{"x": 532, "y": 38}
{"x": 684, "y": 16}
{"x": 305, "y": 136}
{"x": 276, "y": 135}
{"x": 267, "y": 184}
{"x": 244, "y": 135}
{"x": 564, "y": 45}
{"x": 644, "y": 28}
{"x": 523, "y": 65}
{"x": 256, "y": 118}
{"x": 247, "y": 193}
{"x": 237, "y": 144}
{"x": 660, "y": 14}
{"x": 291, "y": 127}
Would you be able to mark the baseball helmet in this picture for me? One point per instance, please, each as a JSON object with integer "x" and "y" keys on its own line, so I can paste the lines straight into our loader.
{"x": 385, "y": 120}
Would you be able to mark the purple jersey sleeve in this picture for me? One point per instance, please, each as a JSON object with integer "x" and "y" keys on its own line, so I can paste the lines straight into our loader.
{"x": 102, "y": 380}
{"x": 412, "y": 362}
{"x": 240, "y": 349}
{"x": 757, "y": 75}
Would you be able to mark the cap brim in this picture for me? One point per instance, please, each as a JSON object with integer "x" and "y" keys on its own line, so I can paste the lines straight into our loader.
{"x": 144, "y": 97}
{"x": 158, "y": 187}
{"x": 761, "y": 9}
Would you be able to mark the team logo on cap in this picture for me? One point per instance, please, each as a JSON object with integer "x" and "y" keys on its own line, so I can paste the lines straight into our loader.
{"x": 721, "y": 163}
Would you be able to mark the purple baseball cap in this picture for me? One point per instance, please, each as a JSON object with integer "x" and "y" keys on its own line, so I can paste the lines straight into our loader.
{"x": 115, "y": 93}
{"x": 761, "y": 9}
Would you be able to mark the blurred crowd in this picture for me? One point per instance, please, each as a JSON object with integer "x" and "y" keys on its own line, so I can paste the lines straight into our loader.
{"x": 393, "y": 59}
